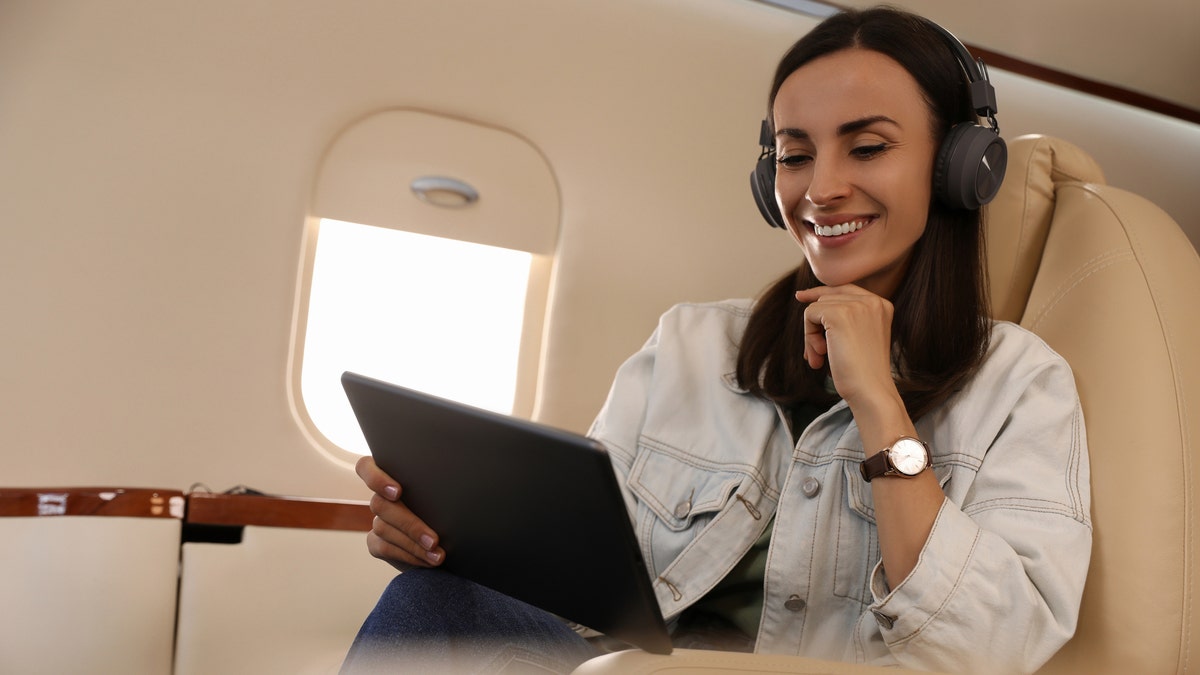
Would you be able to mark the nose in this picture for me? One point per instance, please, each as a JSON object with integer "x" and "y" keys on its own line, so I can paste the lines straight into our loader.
{"x": 828, "y": 184}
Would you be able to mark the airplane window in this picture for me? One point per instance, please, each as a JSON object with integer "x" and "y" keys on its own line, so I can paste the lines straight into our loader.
{"x": 426, "y": 260}
{"x": 433, "y": 314}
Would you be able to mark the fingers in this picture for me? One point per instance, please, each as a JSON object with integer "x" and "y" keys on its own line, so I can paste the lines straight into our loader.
{"x": 844, "y": 306}
{"x": 377, "y": 481}
{"x": 397, "y": 534}
{"x": 816, "y": 346}
{"x": 400, "y": 558}
{"x": 850, "y": 329}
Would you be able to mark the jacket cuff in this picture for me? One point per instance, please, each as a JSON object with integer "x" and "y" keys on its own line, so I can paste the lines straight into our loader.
{"x": 902, "y": 612}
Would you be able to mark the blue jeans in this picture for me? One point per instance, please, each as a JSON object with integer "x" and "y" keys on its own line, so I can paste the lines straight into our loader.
{"x": 429, "y": 621}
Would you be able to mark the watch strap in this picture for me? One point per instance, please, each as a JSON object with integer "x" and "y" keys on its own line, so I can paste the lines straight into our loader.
{"x": 875, "y": 466}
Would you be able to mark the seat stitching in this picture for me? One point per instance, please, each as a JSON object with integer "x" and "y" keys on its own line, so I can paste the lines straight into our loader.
{"x": 1086, "y": 270}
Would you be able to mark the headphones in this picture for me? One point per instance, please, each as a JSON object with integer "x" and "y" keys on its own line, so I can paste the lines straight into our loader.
{"x": 970, "y": 163}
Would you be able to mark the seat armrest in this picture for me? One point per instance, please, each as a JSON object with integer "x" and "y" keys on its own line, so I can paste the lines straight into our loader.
{"x": 637, "y": 662}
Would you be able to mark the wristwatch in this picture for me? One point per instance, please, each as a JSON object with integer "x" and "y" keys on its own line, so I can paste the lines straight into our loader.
{"x": 906, "y": 457}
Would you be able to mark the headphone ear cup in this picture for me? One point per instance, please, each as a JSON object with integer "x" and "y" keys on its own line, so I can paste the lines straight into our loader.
{"x": 762, "y": 184}
{"x": 970, "y": 166}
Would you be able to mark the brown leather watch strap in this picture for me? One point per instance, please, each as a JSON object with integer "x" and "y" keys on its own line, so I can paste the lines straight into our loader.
{"x": 875, "y": 466}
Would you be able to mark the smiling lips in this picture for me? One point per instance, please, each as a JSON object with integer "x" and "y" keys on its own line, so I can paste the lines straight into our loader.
{"x": 840, "y": 229}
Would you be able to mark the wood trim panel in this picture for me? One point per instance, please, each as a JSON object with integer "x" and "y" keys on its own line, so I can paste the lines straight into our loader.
{"x": 1085, "y": 85}
{"x": 301, "y": 512}
{"x": 1053, "y": 76}
{"x": 196, "y": 508}
{"x": 91, "y": 501}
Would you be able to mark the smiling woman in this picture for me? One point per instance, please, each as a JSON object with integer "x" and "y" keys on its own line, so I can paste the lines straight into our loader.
{"x": 873, "y": 162}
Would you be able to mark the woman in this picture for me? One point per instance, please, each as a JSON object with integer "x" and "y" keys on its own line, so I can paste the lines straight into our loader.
{"x": 776, "y": 455}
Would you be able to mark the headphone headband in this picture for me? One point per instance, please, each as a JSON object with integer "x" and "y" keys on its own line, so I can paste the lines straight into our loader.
{"x": 983, "y": 94}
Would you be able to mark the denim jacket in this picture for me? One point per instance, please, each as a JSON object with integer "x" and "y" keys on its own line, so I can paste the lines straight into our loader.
{"x": 704, "y": 466}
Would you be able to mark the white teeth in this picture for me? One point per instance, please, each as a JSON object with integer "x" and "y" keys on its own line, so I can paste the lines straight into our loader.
{"x": 839, "y": 229}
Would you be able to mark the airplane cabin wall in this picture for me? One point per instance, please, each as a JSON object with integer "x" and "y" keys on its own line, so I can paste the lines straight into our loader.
{"x": 157, "y": 164}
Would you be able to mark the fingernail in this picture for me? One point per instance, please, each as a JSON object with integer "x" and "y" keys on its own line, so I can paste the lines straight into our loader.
{"x": 426, "y": 542}
{"x": 434, "y": 557}
{"x": 390, "y": 493}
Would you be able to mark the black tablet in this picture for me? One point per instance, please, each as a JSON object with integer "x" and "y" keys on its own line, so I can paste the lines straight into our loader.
{"x": 527, "y": 510}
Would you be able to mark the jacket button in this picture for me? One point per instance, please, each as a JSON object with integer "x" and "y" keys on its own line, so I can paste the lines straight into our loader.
{"x": 884, "y": 621}
{"x": 683, "y": 509}
{"x": 794, "y": 603}
{"x": 810, "y": 487}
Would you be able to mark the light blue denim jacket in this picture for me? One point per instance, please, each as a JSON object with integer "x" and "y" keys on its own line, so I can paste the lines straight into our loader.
{"x": 704, "y": 466}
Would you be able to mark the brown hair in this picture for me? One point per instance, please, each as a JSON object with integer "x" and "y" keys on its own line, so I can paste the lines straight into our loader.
{"x": 940, "y": 328}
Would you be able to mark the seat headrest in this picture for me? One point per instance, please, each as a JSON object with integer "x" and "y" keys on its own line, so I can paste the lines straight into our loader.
{"x": 1018, "y": 219}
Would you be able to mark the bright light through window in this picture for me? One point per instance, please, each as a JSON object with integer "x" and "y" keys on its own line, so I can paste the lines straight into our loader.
{"x": 433, "y": 314}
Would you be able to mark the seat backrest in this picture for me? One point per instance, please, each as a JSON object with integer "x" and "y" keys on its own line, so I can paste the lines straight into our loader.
{"x": 1111, "y": 282}
{"x": 88, "y": 579}
{"x": 1019, "y": 217}
{"x": 285, "y": 594}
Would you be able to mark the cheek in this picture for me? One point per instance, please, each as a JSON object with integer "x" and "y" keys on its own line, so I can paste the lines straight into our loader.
{"x": 906, "y": 194}
{"x": 790, "y": 188}
{"x": 921, "y": 180}
{"x": 789, "y": 193}
{"x": 918, "y": 195}
{"x": 794, "y": 229}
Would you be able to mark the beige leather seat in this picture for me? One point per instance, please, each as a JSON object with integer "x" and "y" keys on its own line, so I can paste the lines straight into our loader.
{"x": 1112, "y": 284}
{"x": 88, "y": 579}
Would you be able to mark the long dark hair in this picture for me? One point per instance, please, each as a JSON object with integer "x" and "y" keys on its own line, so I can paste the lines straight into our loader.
{"x": 940, "y": 328}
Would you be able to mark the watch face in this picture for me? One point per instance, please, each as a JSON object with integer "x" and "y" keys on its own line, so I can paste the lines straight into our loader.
{"x": 908, "y": 456}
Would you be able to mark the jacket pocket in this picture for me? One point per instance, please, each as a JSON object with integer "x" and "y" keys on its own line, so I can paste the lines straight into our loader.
{"x": 678, "y": 495}
{"x": 679, "y": 488}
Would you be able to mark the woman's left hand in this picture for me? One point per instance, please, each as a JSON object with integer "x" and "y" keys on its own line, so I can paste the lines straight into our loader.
{"x": 852, "y": 329}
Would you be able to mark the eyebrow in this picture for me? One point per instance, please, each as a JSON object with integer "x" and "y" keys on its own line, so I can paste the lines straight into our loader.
{"x": 843, "y": 129}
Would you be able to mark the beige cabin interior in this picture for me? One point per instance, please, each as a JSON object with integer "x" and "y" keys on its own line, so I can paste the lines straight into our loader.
{"x": 162, "y": 170}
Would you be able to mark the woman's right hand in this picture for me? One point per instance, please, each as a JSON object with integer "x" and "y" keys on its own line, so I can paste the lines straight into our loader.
{"x": 397, "y": 535}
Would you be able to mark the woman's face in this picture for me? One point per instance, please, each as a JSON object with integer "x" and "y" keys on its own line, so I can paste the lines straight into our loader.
{"x": 855, "y": 148}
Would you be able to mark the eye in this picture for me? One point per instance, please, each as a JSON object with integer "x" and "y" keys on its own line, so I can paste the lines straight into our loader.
{"x": 869, "y": 151}
{"x": 793, "y": 161}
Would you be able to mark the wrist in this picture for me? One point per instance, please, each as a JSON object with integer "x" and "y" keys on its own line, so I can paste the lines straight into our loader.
{"x": 881, "y": 420}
